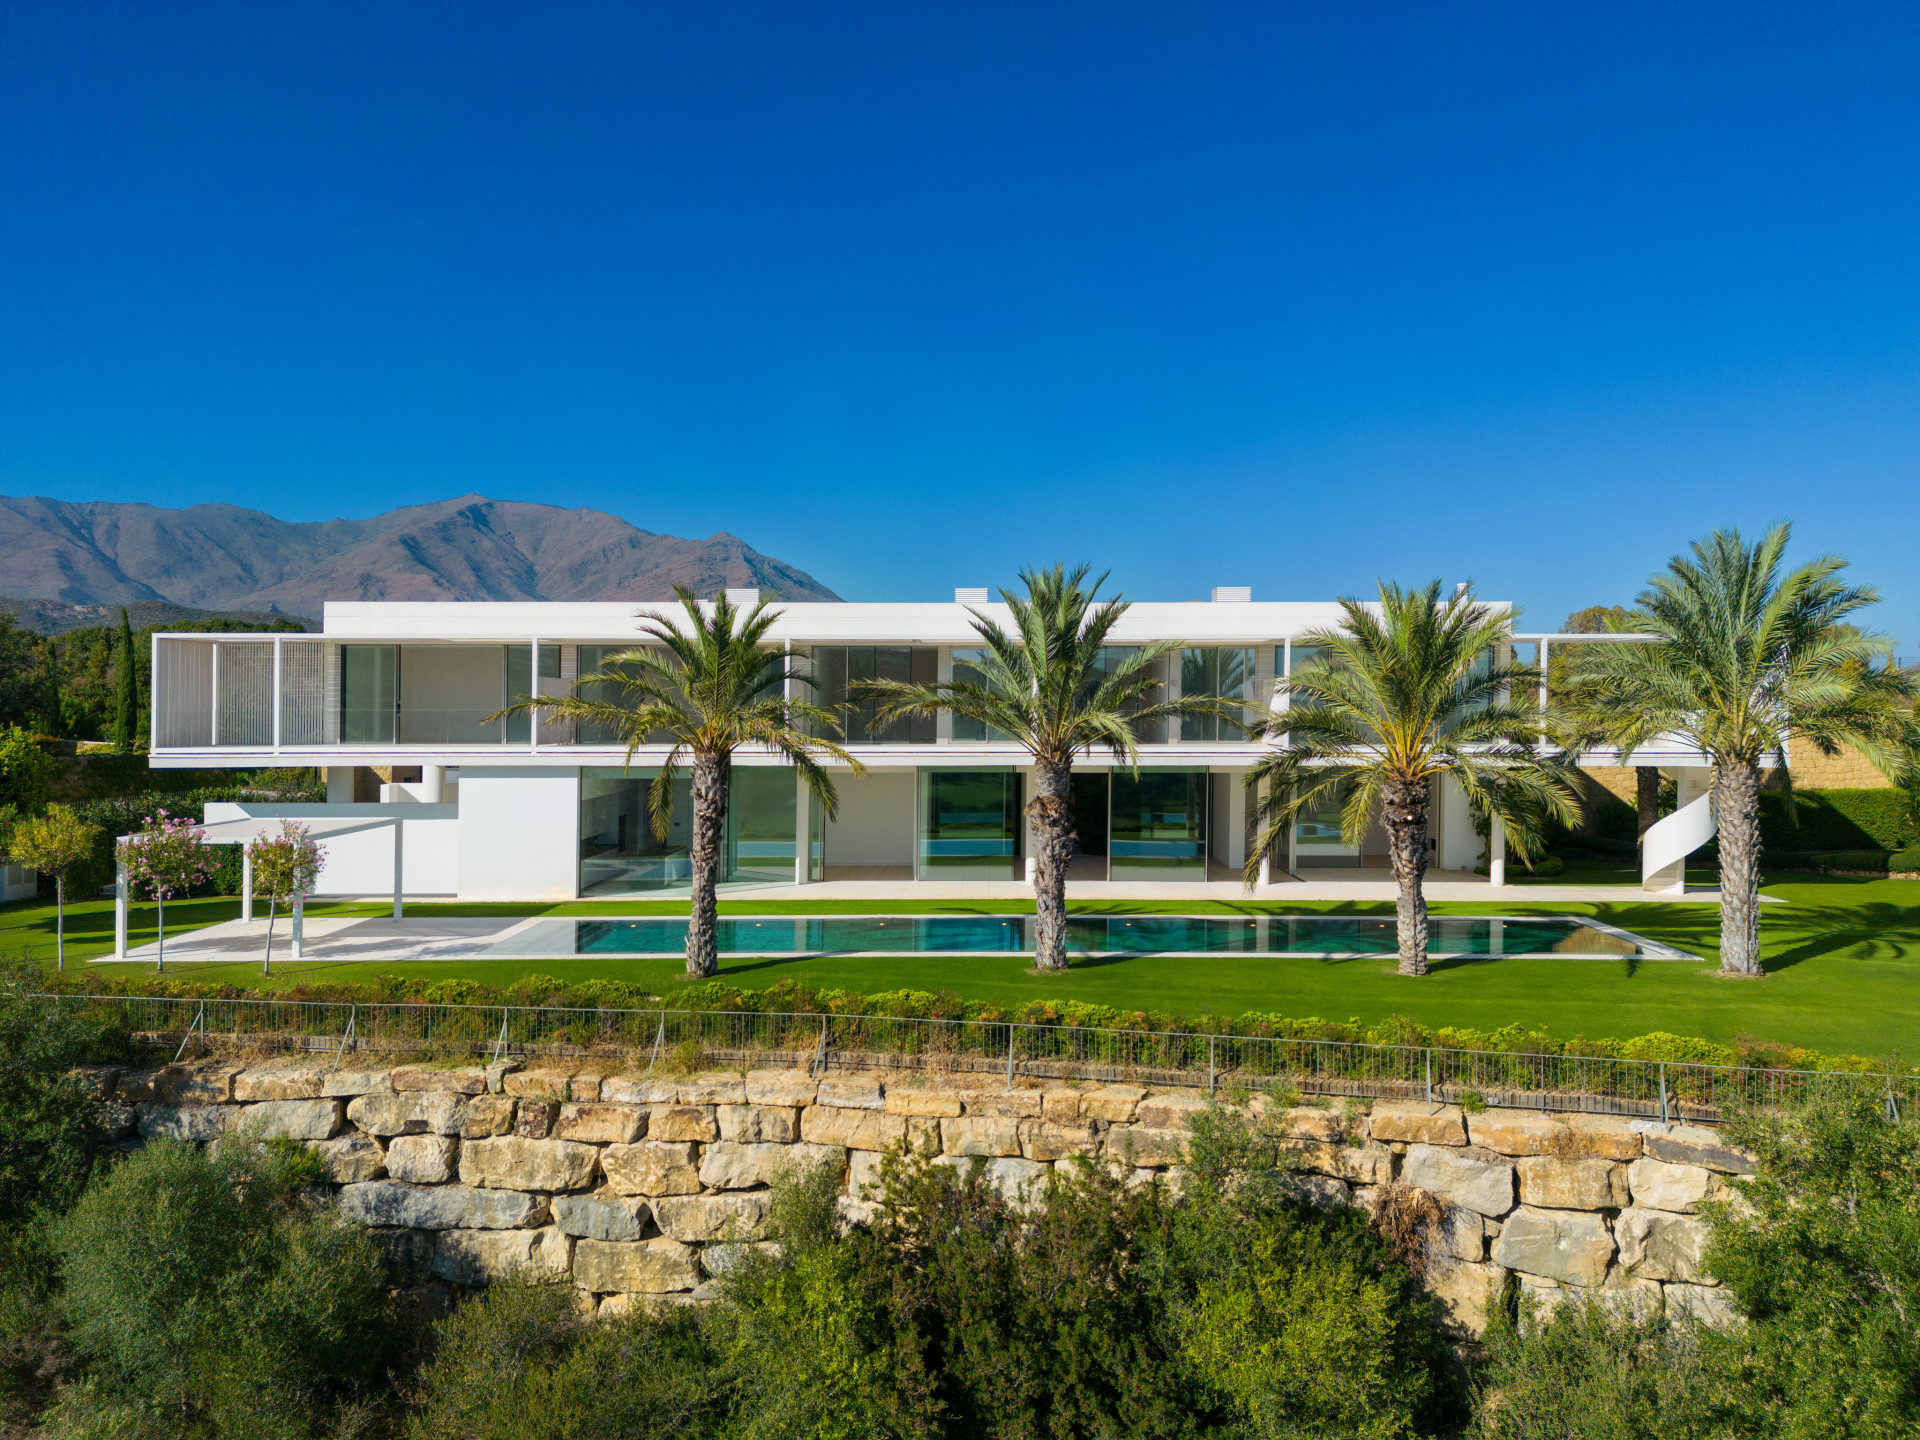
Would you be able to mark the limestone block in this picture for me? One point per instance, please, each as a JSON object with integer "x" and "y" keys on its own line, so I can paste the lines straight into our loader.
{"x": 408, "y": 1254}
{"x": 1658, "y": 1245}
{"x": 184, "y": 1122}
{"x": 119, "y": 1121}
{"x": 771, "y": 1124}
{"x": 1047, "y": 1140}
{"x": 730, "y": 1165}
{"x": 292, "y": 1119}
{"x": 444, "y": 1111}
{"x": 594, "y": 1124}
{"x": 682, "y": 1122}
{"x": 1571, "y": 1184}
{"x": 699, "y": 1218}
{"x": 1474, "y": 1179}
{"x": 1139, "y": 1145}
{"x": 867, "y": 1129}
{"x": 780, "y": 1087}
{"x": 533, "y": 1119}
{"x": 849, "y": 1212}
{"x": 1564, "y": 1245}
{"x": 913, "y": 1097}
{"x": 653, "y": 1167}
{"x": 1692, "y": 1145}
{"x": 497, "y": 1074}
{"x": 1602, "y": 1137}
{"x": 645, "y": 1267}
{"x": 1709, "y": 1304}
{"x": 134, "y": 1087}
{"x": 724, "y": 1259}
{"x": 1460, "y": 1235}
{"x": 462, "y": 1080}
{"x": 194, "y": 1084}
{"x": 584, "y": 1088}
{"x": 1368, "y": 1164}
{"x": 440, "y": 1207}
{"x": 423, "y": 1159}
{"x": 1020, "y": 1181}
{"x": 1175, "y": 1109}
{"x": 1114, "y": 1103}
{"x": 1623, "y": 1294}
{"x": 1540, "y": 1297}
{"x": 1323, "y": 1192}
{"x": 1060, "y": 1104}
{"x": 277, "y": 1080}
{"x": 1658, "y": 1185}
{"x": 979, "y": 1135}
{"x": 506, "y": 1162}
{"x": 600, "y": 1217}
{"x": 1408, "y": 1120}
{"x": 1004, "y": 1104}
{"x": 350, "y": 1158}
{"x": 485, "y": 1115}
{"x": 97, "y": 1081}
{"x": 1465, "y": 1295}
{"x": 863, "y": 1174}
{"x": 1517, "y": 1132}
{"x": 851, "y": 1092}
{"x": 716, "y": 1088}
{"x": 386, "y": 1115}
{"x": 638, "y": 1090}
{"x": 356, "y": 1081}
{"x": 1308, "y": 1122}
{"x": 545, "y": 1083}
{"x": 479, "y": 1257}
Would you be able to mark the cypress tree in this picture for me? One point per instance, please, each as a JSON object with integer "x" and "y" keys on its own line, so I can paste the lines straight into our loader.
{"x": 53, "y": 688}
{"x": 126, "y": 706}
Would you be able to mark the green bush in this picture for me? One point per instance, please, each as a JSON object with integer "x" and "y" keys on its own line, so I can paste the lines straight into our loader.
{"x": 1836, "y": 820}
{"x": 210, "y": 1288}
{"x": 1872, "y": 862}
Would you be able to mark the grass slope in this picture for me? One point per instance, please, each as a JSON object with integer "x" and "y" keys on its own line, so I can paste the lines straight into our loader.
{"x": 1843, "y": 961}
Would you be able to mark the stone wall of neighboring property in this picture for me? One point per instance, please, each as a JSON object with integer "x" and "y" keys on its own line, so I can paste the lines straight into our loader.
{"x": 640, "y": 1186}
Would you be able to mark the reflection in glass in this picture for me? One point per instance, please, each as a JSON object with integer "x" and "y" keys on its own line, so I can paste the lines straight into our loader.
{"x": 369, "y": 694}
{"x": 1159, "y": 825}
{"x": 838, "y": 669}
{"x": 1316, "y": 835}
{"x": 970, "y": 824}
{"x": 1225, "y": 672}
{"x": 620, "y": 855}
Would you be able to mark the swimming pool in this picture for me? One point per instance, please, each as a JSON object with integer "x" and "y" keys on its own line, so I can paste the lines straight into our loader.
{"x": 1327, "y": 936}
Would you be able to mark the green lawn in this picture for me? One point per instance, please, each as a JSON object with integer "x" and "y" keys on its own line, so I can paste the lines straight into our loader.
{"x": 1843, "y": 959}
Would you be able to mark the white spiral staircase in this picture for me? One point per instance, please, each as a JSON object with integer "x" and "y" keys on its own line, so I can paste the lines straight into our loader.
{"x": 1668, "y": 842}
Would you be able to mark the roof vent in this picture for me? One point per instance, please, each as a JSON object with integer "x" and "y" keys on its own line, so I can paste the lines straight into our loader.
{"x": 1232, "y": 594}
{"x": 743, "y": 599}
{"x": 970, "y": 596}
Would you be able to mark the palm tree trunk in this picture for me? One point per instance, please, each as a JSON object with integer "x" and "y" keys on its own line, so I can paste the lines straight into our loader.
{"x": 709, "y": 828}
{"x": 1646, "y": 798}
{"x": 1406, "y": 821}
{"x": 1736, "y": 805}
{"x": 1053, "y": 837}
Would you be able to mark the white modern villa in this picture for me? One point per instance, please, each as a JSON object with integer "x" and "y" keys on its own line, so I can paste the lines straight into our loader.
{"x": 426, "y": 797}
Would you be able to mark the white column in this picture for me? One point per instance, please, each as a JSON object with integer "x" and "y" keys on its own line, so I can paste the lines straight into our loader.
{"x": 433, "y": 784}
{"x": 1497, "y": 855}
{"x": 398, "y": 905}
{"x": 120, "y": 910}
{"x": 802, "y": 829}
{"x": 246, "y": 882}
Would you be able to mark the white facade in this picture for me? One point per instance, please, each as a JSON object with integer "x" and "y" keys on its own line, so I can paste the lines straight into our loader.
{"x": 512, "y": 810}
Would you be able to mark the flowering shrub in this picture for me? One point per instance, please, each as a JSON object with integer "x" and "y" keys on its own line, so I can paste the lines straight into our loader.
{"x": 285, "y": 867}
{"x": 167, "y": 858}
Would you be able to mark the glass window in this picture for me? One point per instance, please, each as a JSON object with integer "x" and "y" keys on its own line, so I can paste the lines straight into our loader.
{"x": 1316, "y": 833}
{"x": 837, "y": 669}
{"x": 1222, "y": 671}
{"x": 966, "y": 669}
{"x": 620, "y": 855}
{"x": 447, "y": 691}
{"x": 369, "y": 694}
{"x": 1159, "y": 825}
{"x": 970, "y": 824}
{"x": 594, "y": 659}
{"x": 762, "y": 813}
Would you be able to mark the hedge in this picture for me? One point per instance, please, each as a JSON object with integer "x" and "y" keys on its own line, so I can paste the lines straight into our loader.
{"x": 1837, "y": 820}
{"x": 792, "y": 996}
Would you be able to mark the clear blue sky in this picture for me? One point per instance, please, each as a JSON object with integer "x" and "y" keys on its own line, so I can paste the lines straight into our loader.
{"x": 912, "y": 294}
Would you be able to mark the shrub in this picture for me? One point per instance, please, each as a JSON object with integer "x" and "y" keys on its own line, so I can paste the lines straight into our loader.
{"x": 1836, "y": 820}
{"x": 212, "y": 1288}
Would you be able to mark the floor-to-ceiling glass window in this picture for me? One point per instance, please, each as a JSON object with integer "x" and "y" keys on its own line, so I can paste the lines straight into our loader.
{"x": 1224, "y": 672}
{"x": 838, "y": 672}
{"x": 969, "y": 824}
{"x": 1091, "y": 796}
{"x": 967, "y": 671}
{"x": 1158, "y": 829}
{"x": 593, "y": 660}
{"x": 1316, "y": 834}
{"x": 621, "y": 855}
{"x": 369, "y": 694}
{"x": 519, "y": 685}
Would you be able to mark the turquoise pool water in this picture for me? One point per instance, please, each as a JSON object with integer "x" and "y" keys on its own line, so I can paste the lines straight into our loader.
{"x": 1311, "y": 935}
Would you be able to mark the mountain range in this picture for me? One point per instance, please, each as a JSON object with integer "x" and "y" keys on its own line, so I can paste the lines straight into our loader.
{"x": 225, "y": 557}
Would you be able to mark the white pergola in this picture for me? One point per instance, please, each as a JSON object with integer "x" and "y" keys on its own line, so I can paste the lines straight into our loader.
{"x": 244, "y": 833}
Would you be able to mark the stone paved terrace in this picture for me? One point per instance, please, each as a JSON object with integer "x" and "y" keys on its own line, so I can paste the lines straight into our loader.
{"x": 643, "y": 1188}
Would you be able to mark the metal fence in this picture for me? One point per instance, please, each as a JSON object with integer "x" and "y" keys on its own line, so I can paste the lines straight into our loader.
{"x": 996, "y": 1051}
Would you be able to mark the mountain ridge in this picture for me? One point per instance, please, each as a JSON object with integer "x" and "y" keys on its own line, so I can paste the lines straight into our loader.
{"x": 220, "y": 556}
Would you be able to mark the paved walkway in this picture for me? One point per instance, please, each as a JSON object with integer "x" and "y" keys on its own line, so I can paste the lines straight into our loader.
{"x": 332, "y": 938}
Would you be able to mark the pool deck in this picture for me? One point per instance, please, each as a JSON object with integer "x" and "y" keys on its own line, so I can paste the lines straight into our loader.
{"x": 382, "y": 940}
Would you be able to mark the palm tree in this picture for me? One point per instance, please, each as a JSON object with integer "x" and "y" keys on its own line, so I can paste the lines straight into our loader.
{"x": 708, "y": 690}
{"x": 1752, "y": 659}
{"x": 1054, "y": 684}
{"x": 1404, "y": 698}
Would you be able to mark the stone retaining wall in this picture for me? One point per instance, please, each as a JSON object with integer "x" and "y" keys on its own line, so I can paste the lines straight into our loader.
{"x": 641, "y": 1186}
